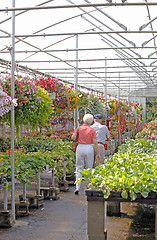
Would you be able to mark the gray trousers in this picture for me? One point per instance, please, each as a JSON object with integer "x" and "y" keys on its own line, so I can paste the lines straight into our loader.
{"x": 84, "y": 159}
{"x": 102, "y": 155}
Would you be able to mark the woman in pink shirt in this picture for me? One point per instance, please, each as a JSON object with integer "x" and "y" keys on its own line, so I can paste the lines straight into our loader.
{"x": 85, "y": 150}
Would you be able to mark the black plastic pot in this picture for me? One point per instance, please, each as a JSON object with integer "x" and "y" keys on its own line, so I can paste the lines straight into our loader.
{"x": 71, "y": 177}
{"x": 153, "y": 195}
{"x": 94, "y": 193}
{"x": 139, "y": 196}
{"x": 115, "y": 194}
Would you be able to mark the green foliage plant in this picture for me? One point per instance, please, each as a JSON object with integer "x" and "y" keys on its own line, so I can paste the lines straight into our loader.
{"x": 27, "y": 165}
{"x": 5, "y": 144}
{"x": 93, "y": 106}
{"x": 130, "y": 171}
{"x": 152, "y": 110}
{"x": 58, "y": 149}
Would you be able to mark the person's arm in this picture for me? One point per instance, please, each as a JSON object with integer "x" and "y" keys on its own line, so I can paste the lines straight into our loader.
{"x": 108, "y": 139}
{"x": 108, "y": 134}
{"x": 73, "y": 137}
{"x": 96, "y": 147}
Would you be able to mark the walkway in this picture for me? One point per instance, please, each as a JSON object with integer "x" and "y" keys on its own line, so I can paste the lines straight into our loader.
{"x": 66, "y": 219}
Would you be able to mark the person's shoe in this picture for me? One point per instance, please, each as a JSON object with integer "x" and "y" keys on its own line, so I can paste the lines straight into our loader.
{"x": 76, "y": 191}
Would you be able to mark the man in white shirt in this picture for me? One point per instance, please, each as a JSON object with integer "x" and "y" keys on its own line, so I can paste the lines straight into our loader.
{"x": 102, "y": 134}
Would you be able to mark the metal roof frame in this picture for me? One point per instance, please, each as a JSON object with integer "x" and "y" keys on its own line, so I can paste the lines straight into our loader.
{"x": 126, "y": 54}
{"x": 124, "y": 50}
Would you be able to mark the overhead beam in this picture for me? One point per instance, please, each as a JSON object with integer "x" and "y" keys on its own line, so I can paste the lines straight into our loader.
{"x": 80, "y": 49}
{"x": 115, "y": 72}
{"x": 82, "y": 60}
{"x": 91, "y": 68}
{"x": 79, "y": 5}
{"x": 79, "y": 33}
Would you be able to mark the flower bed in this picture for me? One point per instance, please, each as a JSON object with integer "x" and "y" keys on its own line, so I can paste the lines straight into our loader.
{"x": 64, "y": 134}
{"x": 149, "y": 131}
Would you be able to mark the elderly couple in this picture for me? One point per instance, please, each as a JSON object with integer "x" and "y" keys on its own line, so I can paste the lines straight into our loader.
{"x": 89, "y": 136}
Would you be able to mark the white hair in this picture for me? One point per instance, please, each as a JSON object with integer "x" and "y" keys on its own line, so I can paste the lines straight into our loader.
{"x": 88, "y": 119}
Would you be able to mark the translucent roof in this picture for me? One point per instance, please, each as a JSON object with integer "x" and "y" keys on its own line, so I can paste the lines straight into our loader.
{"x": 104, "y": 44}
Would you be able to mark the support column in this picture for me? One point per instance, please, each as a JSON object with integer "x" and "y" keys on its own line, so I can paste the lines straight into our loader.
{"x": 135, "y": 111}
{"x": 156, "y": 221}
{"x": 24, "y": 192}
{"x": 76, "y": 113}
{"x": 13, "y": 112}
{"x": 105, "y": 90}
{"x": 6, "y": 197}
{"x": 4, "y": 130}
{"x": 119, "y": 133}
{"x": 95, "y": 219}
{"x": 38, "y": 184}
{"x": 113, "y": 209}
{"x": 53, "y": 177}
{"x": 129, "y": 106}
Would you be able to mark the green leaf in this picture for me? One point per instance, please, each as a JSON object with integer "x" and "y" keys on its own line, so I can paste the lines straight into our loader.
{"x": 106, "y": 193}
{"x": 144, "y": 194}
{"x": 132, "y": 195}
{"x": 124, "y": 194}
{"x": 79, "y": 180}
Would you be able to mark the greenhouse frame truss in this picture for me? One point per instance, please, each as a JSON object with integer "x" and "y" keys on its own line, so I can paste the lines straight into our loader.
{"x": 84, "y": 43}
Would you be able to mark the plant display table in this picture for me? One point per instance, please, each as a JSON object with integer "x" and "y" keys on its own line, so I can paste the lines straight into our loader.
{"x": 63, "y": 185}
{"x": 50, "y": 193}
{"x": 34, "y": 201}
{"x": 6, "y": 219}
{"x": 21, "y": 208}
{"x": 96, "y": 221}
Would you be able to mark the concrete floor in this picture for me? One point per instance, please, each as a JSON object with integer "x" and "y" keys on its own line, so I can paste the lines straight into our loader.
{"x": 63, "y": 219}
{"x": 66, "y": 219}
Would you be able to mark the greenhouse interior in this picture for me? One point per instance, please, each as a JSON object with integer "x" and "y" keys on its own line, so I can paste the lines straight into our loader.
{"x": 61, "y": 60}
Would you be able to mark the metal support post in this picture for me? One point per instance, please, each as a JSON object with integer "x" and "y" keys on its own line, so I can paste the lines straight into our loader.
{"x": 64, "y": 165}
{"x": 155, "y": 221}
{"x": 53, "y": 177}
{"x": 4, "y": 130}
{"x": 119, "y": 133}
{"x": 47, "y": 168}
{"x": 12, "y": 111}
{"x": 6, "y": 197}
{"x": 76, "y": 114}
{"x": 129, "y": 111}
{"x": 38, "y": 183}
{"x": 135, "y": 110}
{"x": 24, "y": 192}
{"x": 105, "y": 90}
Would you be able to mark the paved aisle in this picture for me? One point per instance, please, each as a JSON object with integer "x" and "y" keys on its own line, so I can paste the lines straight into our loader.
{"x": 66, "y": 219}
{"x": 63, "y": 219}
